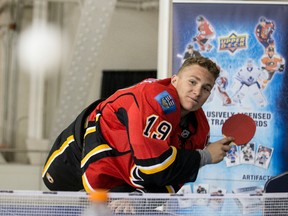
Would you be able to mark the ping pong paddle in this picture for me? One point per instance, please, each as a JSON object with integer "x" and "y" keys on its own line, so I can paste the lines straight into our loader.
{"x": 240, "y": 126}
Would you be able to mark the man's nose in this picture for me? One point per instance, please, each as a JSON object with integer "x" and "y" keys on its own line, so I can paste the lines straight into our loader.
{"x": 197, "y": 90}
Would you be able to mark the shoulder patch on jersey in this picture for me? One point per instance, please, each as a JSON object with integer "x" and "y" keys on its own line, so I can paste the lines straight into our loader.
{"x": 166, "y": 101}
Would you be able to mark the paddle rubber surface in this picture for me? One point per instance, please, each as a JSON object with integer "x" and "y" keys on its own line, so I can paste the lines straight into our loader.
{"x": 240, "y": 126}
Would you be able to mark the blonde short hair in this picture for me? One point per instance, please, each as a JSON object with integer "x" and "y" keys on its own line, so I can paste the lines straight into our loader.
{"x": 211, "y": 66}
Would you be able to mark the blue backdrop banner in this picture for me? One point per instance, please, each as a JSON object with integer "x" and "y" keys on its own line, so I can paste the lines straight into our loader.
{"x": 249, "y": 42}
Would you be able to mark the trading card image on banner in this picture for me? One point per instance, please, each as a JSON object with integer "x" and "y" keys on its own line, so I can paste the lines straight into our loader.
{"x": 232, "y": 156}
{"x": 247, "y": 153}
{"x": 201, "y": 189}
{"x": 263, "y": 156}
{"x": 217, "y": 202}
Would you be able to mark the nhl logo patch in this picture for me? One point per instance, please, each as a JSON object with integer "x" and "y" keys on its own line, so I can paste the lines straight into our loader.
{"x": 166, "y": 102}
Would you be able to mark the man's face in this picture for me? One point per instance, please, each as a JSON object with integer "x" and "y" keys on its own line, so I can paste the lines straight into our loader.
{"x": 270, "y": 53}
{"x": 193, "y": 84}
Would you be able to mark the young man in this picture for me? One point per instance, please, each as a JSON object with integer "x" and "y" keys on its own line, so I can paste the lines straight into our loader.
{"x": 152, "y": 136}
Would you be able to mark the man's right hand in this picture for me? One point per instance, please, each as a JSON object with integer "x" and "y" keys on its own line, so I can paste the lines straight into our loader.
{"x": 219, "y": 149}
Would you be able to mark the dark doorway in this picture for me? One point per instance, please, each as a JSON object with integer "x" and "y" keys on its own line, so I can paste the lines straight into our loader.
{"x": 114, "y": 80}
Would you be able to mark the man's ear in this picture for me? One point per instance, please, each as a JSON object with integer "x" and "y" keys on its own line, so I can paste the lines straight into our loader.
{"x": 173, "y": 79}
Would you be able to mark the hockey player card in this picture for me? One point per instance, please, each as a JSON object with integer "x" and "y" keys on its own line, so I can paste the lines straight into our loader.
{"x": 232, "y": 156}
{"x": 263, "y": 156}
{"x": 201, "y": 189}
{"x": 249, "y": 205}
{"x": 247, "y": 153}
{"x": 185, "y": 202}
{"x": 217, "y": 192}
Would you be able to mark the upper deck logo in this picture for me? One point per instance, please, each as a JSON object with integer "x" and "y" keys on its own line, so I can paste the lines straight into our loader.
{"x": 233, "y": 42}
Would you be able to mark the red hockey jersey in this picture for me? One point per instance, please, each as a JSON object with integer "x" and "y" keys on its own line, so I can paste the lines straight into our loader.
{"x": 137, "y": 137}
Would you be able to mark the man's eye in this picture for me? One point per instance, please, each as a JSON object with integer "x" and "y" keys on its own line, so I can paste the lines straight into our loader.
{"x": 193, "y": 82}
{"x": 208, "y": 89}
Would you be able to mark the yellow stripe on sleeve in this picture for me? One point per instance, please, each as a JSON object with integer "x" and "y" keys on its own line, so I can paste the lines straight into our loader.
{"x": 89, "y": 131}
{"x": 97, "y": 150}
{"x": 160, "y": 167}
{"x": 87, "y": 186}
{"x": 57, "y": 153}
{"x": 170, "y": 189}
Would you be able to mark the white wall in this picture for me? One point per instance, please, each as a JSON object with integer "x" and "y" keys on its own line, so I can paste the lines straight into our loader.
{"x": 131, "y": 44}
